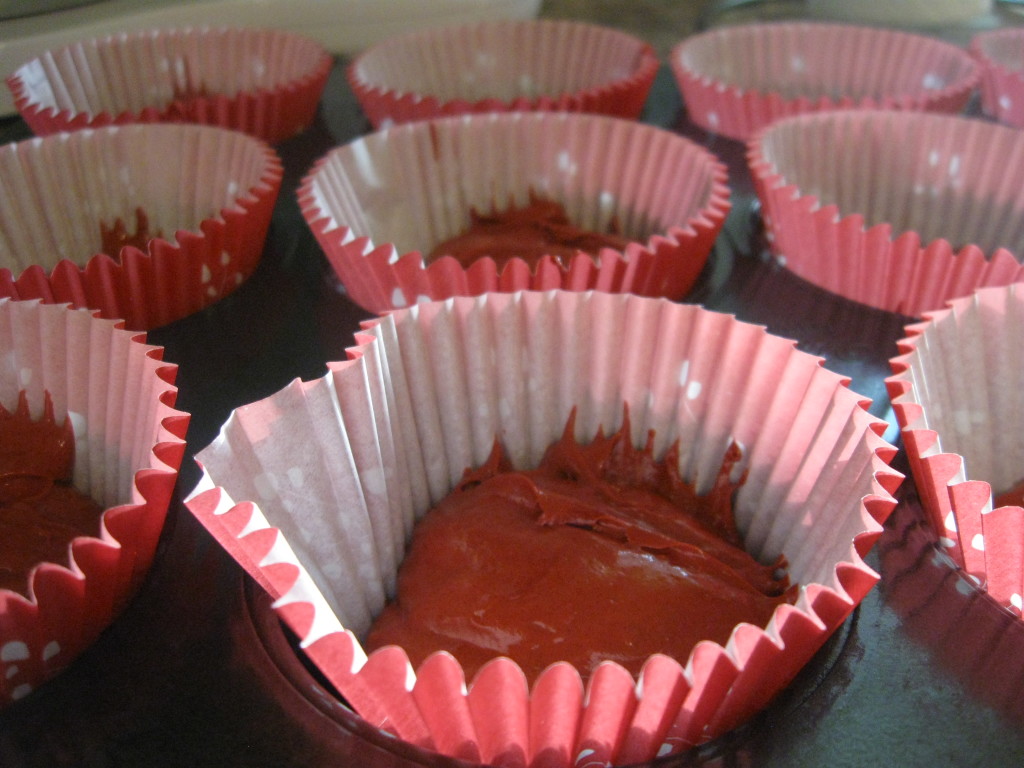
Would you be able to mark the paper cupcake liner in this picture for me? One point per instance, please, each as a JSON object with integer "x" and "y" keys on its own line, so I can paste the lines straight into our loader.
{"x": 263, "y": 82}
{"x": 962, "y": 432}
{"x": 1001, "y": 54}
{"x": 129, "y": 442}
{"x": 942, "y": 609}
{"x": 377, "y": 204}
{"x": 423, "y": 396}
{"x": 504, "y": 65}
{"x": 208, "y": 195}
{"x": 735, "y": 80}
{"x": 900, "y": 211}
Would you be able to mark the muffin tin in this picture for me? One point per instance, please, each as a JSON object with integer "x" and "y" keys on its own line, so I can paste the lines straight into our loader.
{"x": 199, "y": 670}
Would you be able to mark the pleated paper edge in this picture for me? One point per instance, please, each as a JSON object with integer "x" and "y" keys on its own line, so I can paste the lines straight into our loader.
{"x": 954, "y": 504}
{"x": 392, "y": 280}
{"x": 218, "y": 110}
{"x": 398, "y": 713}
{"x": 106, "y": 276}
{"x": 738, "y": 114}
{"x": 782, "y": 199}
{"x": 623, "y": 96}
{"x": 1002, "y": 87}
{"x": 61, "y": 584}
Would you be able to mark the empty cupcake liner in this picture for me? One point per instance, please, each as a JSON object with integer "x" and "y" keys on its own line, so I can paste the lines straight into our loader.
{"x": 962, "y": 432}
{"x": 735, "y": 80}
{"x": 901, "y": 211}
{"x": 205, "y": 194}
{"x": 944, "y": 610}
{"x": 424, "y": 394}
{"x": 380, "y": 203}
{"x": 504, "y": 65}
{"x": 263, "y": 82}
{"x": 129, "y": 442}
{"x": 1001, "y": 53}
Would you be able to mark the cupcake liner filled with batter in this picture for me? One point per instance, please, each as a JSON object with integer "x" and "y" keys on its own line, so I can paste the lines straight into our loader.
{"x": 902, "y": 211}
{"x": 145, "y": 223}
{"x": 263, "y": 82}
{"x": 428, "y": 392}
{"x": 962, "y": 433}
{"x": 382, "y": 205}
{"x": 737, "y": 79}
{"x": 102, "y": 387}
{"x": 506, "y": 65}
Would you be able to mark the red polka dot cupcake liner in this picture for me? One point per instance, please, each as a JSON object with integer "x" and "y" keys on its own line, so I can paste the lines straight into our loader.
{"x": 380, "y": 204}
{"x": 1001, "y": 54}
{"x": 145, "y": 223}
{"x": 129, "y": 441}
{"x": 737, "y": 79}
{"x": 263, "y": 82}
{"x": 902, "y": 211}
{"x": 424, "y": 394}
{"x": 504, "y": 65}
{"x": 946, "y": 611}
{"x": 960, "y": 432}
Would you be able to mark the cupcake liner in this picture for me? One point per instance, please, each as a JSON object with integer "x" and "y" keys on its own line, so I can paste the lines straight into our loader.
{"x": 936, "y": 602}
{"x": 129, "y": 442}
{"x": 378, "y": 204}
{"x": 502, "y": 65}
{"x": 207, "y": 193}
{"x": 264, "y": 82}
{"x": 962, "y": 432}
{"x": 1001, "y": 54}
{"x": 900, "y": 211}
{"x": 735, "y": 80}
{"x": 423, "y": 396}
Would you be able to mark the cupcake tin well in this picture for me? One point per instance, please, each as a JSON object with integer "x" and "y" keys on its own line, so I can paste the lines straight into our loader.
{"x": 200, "y": 671}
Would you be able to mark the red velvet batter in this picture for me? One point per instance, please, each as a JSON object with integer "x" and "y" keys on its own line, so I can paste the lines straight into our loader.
{"x": 602, "y": 552}
{"x": 528, "y": 232}
{"x": 117, "y": 236}
{"x": 40, "y": 513}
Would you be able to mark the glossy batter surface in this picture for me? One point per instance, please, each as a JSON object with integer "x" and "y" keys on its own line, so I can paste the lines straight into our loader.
{"x": 601, "y": 552}
{"x": 40, "y": 513}
{"x": 528, "y": 232}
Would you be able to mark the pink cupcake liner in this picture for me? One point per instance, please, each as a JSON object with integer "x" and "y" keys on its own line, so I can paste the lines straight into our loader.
{"x": 504, "y": 65}
{"x": 961, "y": 432}
{"x": 378, "y": 204}
{"x": 901, "y": 211}
{"x": 1001, "y": 54}
{"x": 129, "y": 442}
{"x": 208, "y": 194}
{"x": 424, "y": 393}
{"x": 735, "y": 80}
{"x": 263, "y": 82}
{"x": 942, "y": 608}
